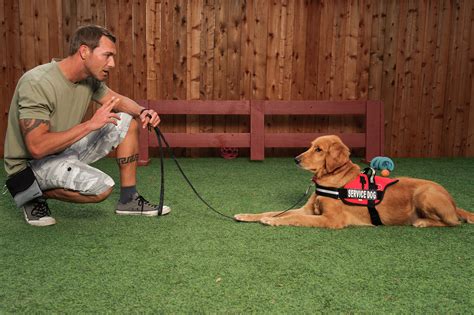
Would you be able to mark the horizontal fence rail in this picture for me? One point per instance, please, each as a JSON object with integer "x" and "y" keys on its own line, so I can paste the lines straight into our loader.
{"x": 257, "y": 139}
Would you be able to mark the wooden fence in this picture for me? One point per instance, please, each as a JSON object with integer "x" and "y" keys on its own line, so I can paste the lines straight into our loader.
{"x": 416, "y": 56}
{"x": 257, "y": 139}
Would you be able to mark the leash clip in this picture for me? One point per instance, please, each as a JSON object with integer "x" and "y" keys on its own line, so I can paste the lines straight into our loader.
{"x": 309, "y": 187}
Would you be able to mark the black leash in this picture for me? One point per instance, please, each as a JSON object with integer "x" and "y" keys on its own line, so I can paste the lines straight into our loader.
{"x": 161, "y": 137}
{"x": 299, "y": 200}
{"x": 162, "y": 184}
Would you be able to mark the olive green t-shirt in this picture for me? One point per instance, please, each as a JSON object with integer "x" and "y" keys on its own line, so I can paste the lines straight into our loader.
{"x": 45, "y": 93}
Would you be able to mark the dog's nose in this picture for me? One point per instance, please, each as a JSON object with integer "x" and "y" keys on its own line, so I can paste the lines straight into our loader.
{"x": 297, "y": 160}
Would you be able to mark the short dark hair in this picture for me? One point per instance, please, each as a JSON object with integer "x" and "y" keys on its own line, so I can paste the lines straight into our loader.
{"x": 88, "y": 35}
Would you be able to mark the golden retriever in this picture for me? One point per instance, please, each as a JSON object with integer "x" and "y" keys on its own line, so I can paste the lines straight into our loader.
{"x": 411, "y": 201}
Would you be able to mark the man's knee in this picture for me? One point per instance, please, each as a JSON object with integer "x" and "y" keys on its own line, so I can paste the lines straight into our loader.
{"x": 97, "y": 198}
{"x": 102, "y": 196}
{"x": 76, "y": 196}
{"x": 133, "y": 127}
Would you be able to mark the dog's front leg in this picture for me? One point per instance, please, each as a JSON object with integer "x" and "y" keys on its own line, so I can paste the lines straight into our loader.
{"x": 308, "y": 208}
{"x": 331, "y": 217}
{"x": 304, "y": 220}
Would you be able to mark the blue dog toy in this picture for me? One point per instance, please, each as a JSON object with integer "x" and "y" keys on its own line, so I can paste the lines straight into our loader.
{"x": 382, "y": 163}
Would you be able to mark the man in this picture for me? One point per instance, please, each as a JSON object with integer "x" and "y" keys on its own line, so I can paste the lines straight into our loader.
{"x": 48, "y": 146}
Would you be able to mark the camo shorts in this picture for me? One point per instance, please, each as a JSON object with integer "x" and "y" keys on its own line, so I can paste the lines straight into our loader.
{"x": 70, "y": 170}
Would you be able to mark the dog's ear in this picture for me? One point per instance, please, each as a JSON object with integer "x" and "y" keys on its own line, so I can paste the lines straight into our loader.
{"x": 337, "y": 155}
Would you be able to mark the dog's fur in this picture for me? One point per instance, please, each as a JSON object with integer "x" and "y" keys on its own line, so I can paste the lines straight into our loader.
{"x": 411, "y": 201}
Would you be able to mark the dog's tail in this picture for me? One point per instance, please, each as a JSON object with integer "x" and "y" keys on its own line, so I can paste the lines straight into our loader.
{"x": 465, "y": 216}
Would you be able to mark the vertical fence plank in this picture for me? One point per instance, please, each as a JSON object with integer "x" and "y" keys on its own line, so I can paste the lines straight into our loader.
{"x": 257, "y": 130}
{"x": 180, "y": 50}
{"x": 220, "y": 53}
{"x": 55, "y": 28}
{"x": 260, "y": 50}
{"x": 180, "y": 61}
{"x": 298, "y": 69}
{"x": 41, "y": 31}
{"x": 3, "y": 75}
{"x": 272, "y": 62}
{"x": 412, "y": 97}
{"x": 378, "y": 33}
{"x": 387, "y": 93}
{"x": 13, "y": 57}
{"x": 247, "y": 50}
{"x": 470, "y": 128}
{"x": 319, "y": 21}
{"x": 236, "y": 12}
{"x": 462, "y": 93}
{"x": 166, "y": 75}
{"x": 289, "y": 50}
{"x": 194, "y": 17}
{"x": 206, "y": 84}
{"x": 440, "y": 77}
{"x": 27, "y": 34}
{"x": 139, "y": 64}
{"x": 337, "y": 61}
{"x": 363, "y": 48}
{"x": 153, "y": 37}
{"x": 299, "y": 50}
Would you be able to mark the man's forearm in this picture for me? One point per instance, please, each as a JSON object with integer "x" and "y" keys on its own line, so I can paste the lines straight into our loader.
{"x": 53, "y": 142}
{"x": 128, "y": 106}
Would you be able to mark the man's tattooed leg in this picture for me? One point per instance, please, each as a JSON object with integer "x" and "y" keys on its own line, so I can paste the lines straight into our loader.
{"x": 127, "y": 160}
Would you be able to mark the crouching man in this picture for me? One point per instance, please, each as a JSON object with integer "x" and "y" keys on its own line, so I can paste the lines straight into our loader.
{"x": 48, "y": 148}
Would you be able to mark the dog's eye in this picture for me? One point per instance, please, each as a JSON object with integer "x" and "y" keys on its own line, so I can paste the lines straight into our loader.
{"x": 318, "y": 149}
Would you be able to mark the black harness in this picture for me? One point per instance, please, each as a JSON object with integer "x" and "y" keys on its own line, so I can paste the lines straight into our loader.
{"x": 368, "y": 190}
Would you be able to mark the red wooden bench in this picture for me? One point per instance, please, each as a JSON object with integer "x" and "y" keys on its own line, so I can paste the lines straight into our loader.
{"x": 257, "y": 140}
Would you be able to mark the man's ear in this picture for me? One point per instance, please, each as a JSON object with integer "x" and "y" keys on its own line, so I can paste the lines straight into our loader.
{"x": 84, "y": 51}
{"x": 337, "y": 156}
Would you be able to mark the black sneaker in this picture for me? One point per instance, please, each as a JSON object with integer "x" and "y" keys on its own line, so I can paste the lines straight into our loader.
{"x": 37, "y": 213}
{"x": 140, "y": 206}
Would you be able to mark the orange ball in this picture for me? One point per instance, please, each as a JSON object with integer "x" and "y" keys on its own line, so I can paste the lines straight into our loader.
{"x": 385, "y": 173}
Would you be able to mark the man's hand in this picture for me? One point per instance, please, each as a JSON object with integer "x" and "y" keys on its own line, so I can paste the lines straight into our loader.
{"x": 104, "y": 115}
{"x": 149, "y": 117}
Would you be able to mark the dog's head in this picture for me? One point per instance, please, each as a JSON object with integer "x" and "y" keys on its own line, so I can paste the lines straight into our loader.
{"x": 326, "y": 154}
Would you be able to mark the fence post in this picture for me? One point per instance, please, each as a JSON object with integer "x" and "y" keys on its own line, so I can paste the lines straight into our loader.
{"x": 257, "y": 130}
{"x": 143, "y": 157}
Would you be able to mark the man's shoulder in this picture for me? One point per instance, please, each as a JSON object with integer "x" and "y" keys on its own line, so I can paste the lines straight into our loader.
{"x": 42, "y": 77}
{"x": 40, "y": 71}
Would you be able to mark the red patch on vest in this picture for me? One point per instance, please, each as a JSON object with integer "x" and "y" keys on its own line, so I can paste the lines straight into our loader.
{"x": 360, "y": 195}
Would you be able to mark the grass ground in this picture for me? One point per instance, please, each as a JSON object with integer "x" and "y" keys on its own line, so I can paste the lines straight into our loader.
{"x": 192, "y": 260}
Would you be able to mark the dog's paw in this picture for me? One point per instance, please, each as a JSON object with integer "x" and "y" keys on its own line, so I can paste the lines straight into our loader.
{"x": 242, "y": 217}
{"x": 269, "y": 221}
{"x": 419, "y": 224}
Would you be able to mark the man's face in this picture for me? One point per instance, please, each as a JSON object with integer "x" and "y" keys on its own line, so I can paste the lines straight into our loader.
{"x": 101, "y": 60}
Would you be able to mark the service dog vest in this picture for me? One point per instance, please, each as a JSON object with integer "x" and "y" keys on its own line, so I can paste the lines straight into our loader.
{"x": 365, "y": 190}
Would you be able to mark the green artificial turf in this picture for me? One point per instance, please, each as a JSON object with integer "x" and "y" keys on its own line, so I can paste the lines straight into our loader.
{"x": 193, "y": 260}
